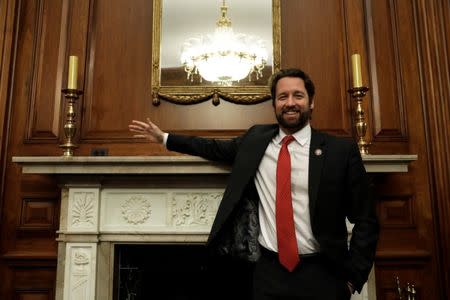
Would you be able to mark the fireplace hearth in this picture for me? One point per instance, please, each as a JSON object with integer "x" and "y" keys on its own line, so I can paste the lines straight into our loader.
{"x": 176, "y": 272}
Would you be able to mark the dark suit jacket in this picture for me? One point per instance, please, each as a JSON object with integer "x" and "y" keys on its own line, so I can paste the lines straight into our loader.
{"x": 338, "y": 188}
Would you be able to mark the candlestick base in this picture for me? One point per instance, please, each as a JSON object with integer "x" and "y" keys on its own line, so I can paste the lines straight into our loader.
{"x": 70, "y": 126}
{"x": 358, "y": 94}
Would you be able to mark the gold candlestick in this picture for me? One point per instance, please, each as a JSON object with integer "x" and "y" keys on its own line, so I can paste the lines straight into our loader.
{"x": 358, "y": 94}
{"x": 70, "y": 126}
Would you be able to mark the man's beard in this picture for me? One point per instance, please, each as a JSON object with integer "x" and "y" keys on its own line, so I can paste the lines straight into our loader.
{"x": 304, "y": 118}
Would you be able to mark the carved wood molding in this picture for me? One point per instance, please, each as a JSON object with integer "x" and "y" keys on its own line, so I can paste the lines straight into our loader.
{"x": 215, "y": 95}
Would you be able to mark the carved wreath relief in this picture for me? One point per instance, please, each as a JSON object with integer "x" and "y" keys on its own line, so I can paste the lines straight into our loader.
{"x": 136, "y": 210}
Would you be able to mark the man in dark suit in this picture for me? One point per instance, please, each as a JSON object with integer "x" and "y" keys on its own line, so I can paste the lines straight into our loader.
{"x": 289, "y": 193}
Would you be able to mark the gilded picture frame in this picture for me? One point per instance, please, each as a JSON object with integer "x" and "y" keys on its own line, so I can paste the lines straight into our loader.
{"x": 193, "y": 94}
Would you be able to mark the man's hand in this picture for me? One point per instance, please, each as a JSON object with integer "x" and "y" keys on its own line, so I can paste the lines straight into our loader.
{"x": 147, "y": 131}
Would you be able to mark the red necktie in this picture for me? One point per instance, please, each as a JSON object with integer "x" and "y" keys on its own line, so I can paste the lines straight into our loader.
{"x": 287, "y": 242}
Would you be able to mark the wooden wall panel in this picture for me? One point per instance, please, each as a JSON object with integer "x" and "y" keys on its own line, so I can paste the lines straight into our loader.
{"x": 45, "y": 20}
{"x": 19, "y": 79}
{"x": 384, "y": 22}
{"x": 320, "y": 49}
{"x": 226, "y": 120}
{"x": 7, "y": 21}
{"x": 34, "y": 284}
{"x": 406, "y": 240}
{"x": 7, "y": 17}
{"x": 410, "y": 272}
{"x": 433, "y": 30}
{"x": 397, "y": 211}
{"x": 400, "y": 212}
{"x": 33, "y": 294}
{"x": 28, "y": 276}
{"x": 118, "y": 77}
{"x": 38, "y": 213}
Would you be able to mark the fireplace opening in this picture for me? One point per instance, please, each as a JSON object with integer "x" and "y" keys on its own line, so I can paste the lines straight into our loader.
{"x": 177, "y": 272}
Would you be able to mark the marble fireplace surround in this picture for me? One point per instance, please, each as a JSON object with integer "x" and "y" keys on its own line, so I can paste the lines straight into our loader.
{"x": 140, "y": 200}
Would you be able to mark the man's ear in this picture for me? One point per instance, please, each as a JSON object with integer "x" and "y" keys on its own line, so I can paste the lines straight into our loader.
{"x": 311, "y": 106}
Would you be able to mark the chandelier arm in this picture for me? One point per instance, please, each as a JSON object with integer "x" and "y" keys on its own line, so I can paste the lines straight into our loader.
{"x": 245, "y": 99}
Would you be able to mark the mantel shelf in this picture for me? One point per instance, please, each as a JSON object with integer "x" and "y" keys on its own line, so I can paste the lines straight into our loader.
{"x": 169, "y": 164}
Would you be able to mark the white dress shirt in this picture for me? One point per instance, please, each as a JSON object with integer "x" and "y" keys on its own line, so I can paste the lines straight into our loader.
{"x": 265, "y": 181}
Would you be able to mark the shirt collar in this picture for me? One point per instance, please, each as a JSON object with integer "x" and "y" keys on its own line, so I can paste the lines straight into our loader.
{"x": 303, "y": 136}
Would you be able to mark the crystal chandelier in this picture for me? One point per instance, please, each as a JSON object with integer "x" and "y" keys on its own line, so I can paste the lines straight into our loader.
{"x": 224, "y": 56}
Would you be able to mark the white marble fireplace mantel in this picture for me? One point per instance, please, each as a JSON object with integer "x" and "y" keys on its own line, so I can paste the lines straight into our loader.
{"x": 109, "y": 200}
{"x": 169, "y": 164}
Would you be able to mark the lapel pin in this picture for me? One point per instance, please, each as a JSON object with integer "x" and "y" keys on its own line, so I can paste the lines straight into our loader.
{"x": 318, "y": 152}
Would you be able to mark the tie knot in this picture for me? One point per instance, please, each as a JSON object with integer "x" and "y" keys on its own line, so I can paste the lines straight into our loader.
{"x": 287, "y": 140}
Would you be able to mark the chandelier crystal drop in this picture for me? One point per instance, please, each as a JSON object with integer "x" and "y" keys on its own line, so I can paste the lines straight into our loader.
{"x": 224, "y": 56}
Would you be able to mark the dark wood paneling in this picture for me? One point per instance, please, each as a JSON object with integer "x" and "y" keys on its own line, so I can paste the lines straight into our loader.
{"x": 118, "y": 77}
{"x": 303, "y": 38}
{"x": 38, "y": 214}
{"x": 33, "y": 294}
{"x": 433, "y": 30}
{"x": 7, "y": 21}
{"x": 397, "y": 211}
{"x": 6, "y": 36}
{"x": 401, "y": 210}
{"x": 385, "y": 19}
{"x": 412, "y": 272}
{"x": 34, "y": 284}
{"x": 45, "y": 21}
{"x": 28, "y": 275}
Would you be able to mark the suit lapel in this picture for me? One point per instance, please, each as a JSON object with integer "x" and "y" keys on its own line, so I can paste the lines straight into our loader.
{"x": 252, "y": 152}
{"x": 258, "y": 146}
{"x": 317, "y": 155}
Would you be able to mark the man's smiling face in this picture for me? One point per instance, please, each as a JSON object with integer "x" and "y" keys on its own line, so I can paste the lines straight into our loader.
{"x": 292, "y": 107}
